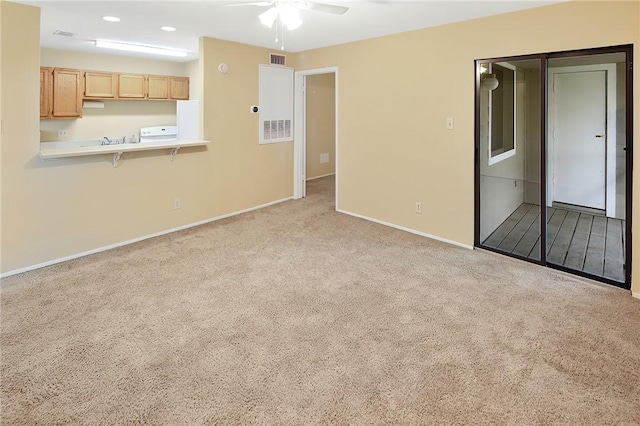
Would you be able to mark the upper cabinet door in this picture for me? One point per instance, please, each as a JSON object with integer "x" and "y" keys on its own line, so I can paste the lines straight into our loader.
{"x": 158, "y": 86}
{"x": 179, "y": 88}
{"x": 132, "y": 86}
{"x": 67, "y": 93}
{"x": 45, "y": 92}
{"x": 100, "y": 85}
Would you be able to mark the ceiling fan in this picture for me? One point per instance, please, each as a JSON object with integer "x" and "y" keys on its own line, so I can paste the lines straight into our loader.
{"x": 286, "y": 13}
{"x": 302, "y": 5}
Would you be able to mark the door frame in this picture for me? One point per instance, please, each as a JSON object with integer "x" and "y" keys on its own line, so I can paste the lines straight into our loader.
{"x": 610, "y": 150}
{"x": 300, "y": 131}
{"x": 629, "y": 106}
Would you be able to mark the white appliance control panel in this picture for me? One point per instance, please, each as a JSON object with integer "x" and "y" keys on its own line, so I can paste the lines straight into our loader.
{"x": 158, "y": 133}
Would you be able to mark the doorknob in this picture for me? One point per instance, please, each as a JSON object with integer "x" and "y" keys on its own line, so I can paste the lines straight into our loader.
{"x": 600, "y": 136}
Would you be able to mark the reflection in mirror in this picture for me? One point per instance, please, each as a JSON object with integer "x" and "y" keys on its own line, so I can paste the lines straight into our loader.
{"x": 509, "y": 128}
{"x": 586, "y": 164}
{"x": 502, "y": 110}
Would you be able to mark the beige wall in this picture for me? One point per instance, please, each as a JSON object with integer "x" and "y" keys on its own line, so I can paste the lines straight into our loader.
{"x": 116, "y": 119}
{"x": 244, "y": 173}
{"x": 110, "y": 62}
{"x": 321, "y": 124}
{"x": 20, "y": 81}
{"x": 193, "y": 72}
{"x": 64, "y": 207}
{"x": 394, "y": 149}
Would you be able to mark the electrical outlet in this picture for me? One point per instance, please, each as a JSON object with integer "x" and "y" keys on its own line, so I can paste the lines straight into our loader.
{"x": 418, "y": 207}
{"x": 176, "y": 203}
{"x": 63, "y": 133}
{"x": 449, "y": 123}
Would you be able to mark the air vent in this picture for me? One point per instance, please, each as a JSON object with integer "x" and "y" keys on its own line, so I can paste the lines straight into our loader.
{"x": 276, "y": 59}
{"x": 63, "y": 33}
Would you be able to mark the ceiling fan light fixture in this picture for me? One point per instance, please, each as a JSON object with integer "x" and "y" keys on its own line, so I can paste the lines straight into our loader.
{"x": 290, "y": 16}
{"x": 269, "y": 17}
{"x": 292, "y": 25}
{"x": 489, "y": 82}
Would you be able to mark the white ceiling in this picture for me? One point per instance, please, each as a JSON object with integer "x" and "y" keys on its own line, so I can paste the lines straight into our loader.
{"x": 141, "y": 22}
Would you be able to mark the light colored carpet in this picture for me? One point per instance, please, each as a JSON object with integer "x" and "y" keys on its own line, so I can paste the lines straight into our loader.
{"x": 296, "y": 314}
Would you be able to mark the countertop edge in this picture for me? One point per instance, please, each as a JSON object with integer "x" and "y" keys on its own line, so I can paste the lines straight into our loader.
{"x": 113, "y": 149}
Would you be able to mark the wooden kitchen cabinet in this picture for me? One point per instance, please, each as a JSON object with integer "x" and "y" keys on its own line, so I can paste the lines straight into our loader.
{"x": 132, "y": 86}
{"x": 102, "y": 85}
{"x": 60, "y": 93}
{"x": 155, "y": 87}
{"x": 158, "y": 87}
{"x": 179, "y": 88}
{"x": 62, "y": 89}
{"x": 66, "y": 99}
{"x": 46, "y": 93}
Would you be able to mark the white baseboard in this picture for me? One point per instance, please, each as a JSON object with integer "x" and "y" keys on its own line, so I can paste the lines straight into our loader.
{"x": 135, "y": 240}
{"x": 318, "y": 177}
{"x": 636, "y": 295}
{"x": 402, "y": 228}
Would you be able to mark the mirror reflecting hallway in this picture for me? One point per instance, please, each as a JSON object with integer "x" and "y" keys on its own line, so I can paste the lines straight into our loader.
{"x": 552, "y": 133}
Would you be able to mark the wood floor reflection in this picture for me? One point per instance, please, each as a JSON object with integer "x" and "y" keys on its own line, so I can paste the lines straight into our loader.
{"x": 577, "y": 240}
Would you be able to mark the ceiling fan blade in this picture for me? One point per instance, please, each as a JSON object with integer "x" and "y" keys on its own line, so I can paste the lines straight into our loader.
{"x": 321, "y": 7}
{"x": 257, "y": 3}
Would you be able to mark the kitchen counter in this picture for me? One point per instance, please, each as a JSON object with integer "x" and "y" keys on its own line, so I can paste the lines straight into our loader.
{"x": 77, "y": 151}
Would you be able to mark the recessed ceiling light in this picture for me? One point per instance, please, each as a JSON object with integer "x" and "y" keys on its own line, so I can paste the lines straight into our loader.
{"x": 167, "y": 28}
{"x": 111, "y": 18}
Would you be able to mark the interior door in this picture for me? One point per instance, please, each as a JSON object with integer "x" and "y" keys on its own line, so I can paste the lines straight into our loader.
{"x": 580, "y": 138}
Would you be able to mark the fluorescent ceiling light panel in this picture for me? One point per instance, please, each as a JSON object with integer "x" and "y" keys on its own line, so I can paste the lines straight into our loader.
{"x": 167, "y": 28}
{"x": 140, "y": 48}
{"x": 111, "y": 18}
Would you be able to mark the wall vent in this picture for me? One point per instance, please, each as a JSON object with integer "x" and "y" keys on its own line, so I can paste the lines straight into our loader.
{"x": 63, "y": 33}
{"x": 275, "y": 59}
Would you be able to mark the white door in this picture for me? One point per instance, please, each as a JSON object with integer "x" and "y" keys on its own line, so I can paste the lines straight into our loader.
{"x": 580, "y": 139}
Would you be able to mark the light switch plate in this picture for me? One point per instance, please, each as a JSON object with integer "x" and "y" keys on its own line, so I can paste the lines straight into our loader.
{"x": 449, "y": 123}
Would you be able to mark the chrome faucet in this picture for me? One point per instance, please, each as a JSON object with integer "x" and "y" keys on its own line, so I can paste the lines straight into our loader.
{"x": 106, "y": 141}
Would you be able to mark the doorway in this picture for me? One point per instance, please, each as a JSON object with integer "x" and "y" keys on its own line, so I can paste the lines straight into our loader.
{"x": 582, "y": 136}
{"x": 320, "y": 133}
{"x": 311, "y": 87}
{"x": 553, "y": 160}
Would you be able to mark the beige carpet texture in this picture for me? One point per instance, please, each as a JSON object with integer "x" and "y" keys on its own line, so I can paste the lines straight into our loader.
{"x": 296, "y": 314}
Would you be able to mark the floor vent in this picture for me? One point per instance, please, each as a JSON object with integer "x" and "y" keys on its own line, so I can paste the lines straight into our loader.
{"x": 276, "y": 59}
